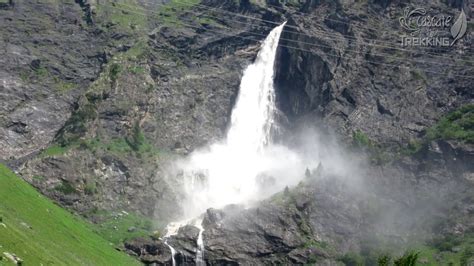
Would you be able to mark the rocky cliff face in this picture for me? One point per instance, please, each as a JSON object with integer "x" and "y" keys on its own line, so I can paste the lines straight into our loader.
{"x": 99, "y": 96}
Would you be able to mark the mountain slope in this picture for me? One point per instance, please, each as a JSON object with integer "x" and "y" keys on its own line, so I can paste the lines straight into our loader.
{"x": 40, "y": 232}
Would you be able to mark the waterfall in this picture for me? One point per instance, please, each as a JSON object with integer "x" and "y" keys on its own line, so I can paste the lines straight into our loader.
{"x": 253, "y": 114}
{"x": 173, "y": 252}
{"x": 245, "y": 164}
{"x": 200, "y": 245}
{"x": 229, "y": 172}
{"x": 171, "y": 230}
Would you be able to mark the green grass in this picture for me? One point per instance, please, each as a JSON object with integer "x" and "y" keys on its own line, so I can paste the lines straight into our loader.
{"x": 169, "y": 14}
{"x": 42, "y": 233}
{"x": 457, "y": 125}
{"x": 126, "y": 15}
{"x": 41, "y": 72}
{"x": 54, "y": 150}
{"x": 377, "y": 153}
{"x": 351, "y": 259}
{"x": 115, "y": 227}
{"x": 136, "y": 145}
{"x": 136, "y": 70}
{"x": 450, "y": 250}
{"x": 139, "y": 50}
{"x": 361, "y": 140}
{"x": 412, "y": 148}
{"x": 62, "y": 86}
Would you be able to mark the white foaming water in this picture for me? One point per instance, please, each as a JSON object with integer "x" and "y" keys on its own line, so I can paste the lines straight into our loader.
{"x": 253, "y": 114}
{"x": 246, "y": 166}
{"x": 173, "y": 253}
{"x": 200, "y": 245}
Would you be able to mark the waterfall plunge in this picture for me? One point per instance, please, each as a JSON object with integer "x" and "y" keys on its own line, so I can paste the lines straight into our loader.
{"x": 246, "y": 165}
{"x": 253, "y": 114}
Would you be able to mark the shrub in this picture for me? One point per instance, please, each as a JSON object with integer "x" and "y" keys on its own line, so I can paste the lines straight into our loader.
{"x": 90, "y": 188}
{"x": 352, "y": 259}
{"x": 66, "y": 188}
{"x": 445, "y": 243}
{"x": 360, "y": 139}
{"x": 467, "y": 256}
{"x": 384, "y": 260}
{"x": 408, "y": 259}
{"x": 457, "y": 125}
{"x": 114, "y": 71}
{"x": 137, "y": 139}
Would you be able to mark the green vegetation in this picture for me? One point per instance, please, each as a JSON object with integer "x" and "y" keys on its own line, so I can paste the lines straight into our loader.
{"x": 361, "y": 140}
{"x": 54, "y": 150}
{"x": 408, "y": 259}
{"x": 316, "y": 244}
{"x": 62, "y": 86}
{"x": 294, "y": 3}
{"x": 42, "y": 233}
{"x": 169, "y": 14}
{"x": 446, "y": 243}
{"x": 66, "y": 188}
{"x": 377, "y": 154}
{"x": 114, "y": 72}
{"x": 135, "y": 144}
{"x": 76, "y": 126}
{"x": 41, "y": 72}
{"x": 136, "y": 70}
{"x": 320, "y": 245}
{"x": 137, "y": 140}
{"x": 352, "y": 259}
{"x": 138, "y": 51}
{"x": 38, "y": 177}
{"x": 418, "y": 75}
{"x": 125, "y": 15}
{"x": 119, "y": 227}
{"x": 446, "y": 250}
{"x": 449, "y": 250}
{"x": 384, "y": 260}
{"x": 90, "y": 188}
{"x": 412, "y": 148}
{"x": 457, "y": 125}
{"x": 283, "y": 198}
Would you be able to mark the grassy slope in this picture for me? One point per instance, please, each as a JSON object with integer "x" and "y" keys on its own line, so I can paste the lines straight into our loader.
{"x": 40, "y": 232}
{"x": 449, "y": 251}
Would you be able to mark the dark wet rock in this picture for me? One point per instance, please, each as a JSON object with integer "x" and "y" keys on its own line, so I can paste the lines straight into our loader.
{"x": 275, "y": 231}
{"x": 150, "y": 251}
{"x": 7, "y": 4}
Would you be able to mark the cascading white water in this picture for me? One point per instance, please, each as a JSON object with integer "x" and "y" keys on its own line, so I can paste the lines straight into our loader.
{"x": 232, "y": 171}
{"x": 173, "y": 253}
{"x": 200, "y": 245}
{"x": 245, "y": 166}
{"x": 253, "y": 114}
